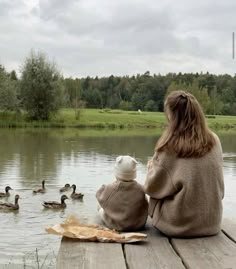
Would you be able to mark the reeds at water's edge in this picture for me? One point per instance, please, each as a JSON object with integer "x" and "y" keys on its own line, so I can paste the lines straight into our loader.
{"x": 32, "y": 260}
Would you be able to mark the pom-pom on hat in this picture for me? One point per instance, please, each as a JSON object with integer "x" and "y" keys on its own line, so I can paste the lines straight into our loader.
{"x": 125, "y": 168}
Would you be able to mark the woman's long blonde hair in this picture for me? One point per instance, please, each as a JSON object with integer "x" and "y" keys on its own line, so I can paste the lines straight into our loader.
{"x": 187, "y": 133}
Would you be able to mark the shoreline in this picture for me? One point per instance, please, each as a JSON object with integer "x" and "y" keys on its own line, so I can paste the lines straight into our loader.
{"x": 100, "y": 119}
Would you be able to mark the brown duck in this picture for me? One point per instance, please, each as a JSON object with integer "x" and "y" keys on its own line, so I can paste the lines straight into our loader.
{"x": 75, "y": 195}
{"x": 10, "y": 206}
{"x": 56, "y": 205}
{"x": 65, "y": 188}
{"x": 40, "y": 190}
{"x": 6, "y": 193}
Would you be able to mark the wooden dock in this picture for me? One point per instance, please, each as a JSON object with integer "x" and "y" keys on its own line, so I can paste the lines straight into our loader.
{"x": 157, "y": 252}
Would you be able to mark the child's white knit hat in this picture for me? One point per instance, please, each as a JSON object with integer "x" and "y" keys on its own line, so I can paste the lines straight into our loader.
{"x": 125, "y": 168}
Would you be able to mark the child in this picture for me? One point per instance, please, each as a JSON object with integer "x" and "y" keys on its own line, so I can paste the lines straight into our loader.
{"x": 124, "y": 206}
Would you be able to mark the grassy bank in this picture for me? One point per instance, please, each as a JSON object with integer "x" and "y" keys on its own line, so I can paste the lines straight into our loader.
{"x": 110, "y": 119}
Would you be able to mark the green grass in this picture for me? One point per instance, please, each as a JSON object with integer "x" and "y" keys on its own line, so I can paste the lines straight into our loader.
{"x": 121, "y": 119}
{"x": 106, "y": 119}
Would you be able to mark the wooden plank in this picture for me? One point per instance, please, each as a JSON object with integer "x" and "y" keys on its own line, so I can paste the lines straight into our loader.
{"x": 229, "y": 228}
{"x": 209, "y": 252}
{"x": 89, "y": 255}
{"x": 156, "y": 253}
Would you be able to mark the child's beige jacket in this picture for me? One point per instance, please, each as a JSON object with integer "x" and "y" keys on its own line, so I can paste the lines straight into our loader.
{"x": 125, "y": 205}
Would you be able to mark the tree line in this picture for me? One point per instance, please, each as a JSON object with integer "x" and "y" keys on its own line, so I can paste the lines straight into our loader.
{"x": 41, "y": 90}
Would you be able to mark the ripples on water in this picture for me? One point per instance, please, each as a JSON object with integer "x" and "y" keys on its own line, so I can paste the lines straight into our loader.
{"x": 28, "y": 158}
{"x": 22, "y": 232}
{"x": 230, "y": 185}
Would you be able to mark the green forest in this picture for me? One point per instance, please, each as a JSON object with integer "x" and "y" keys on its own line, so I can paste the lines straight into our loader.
{"x": 40, "y": 90}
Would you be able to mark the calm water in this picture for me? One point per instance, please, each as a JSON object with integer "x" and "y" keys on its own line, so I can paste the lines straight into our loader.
{"x": 64, "y": 156}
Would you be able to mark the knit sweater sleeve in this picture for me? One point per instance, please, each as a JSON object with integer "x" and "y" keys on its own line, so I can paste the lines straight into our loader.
{"x": 221, "y": 161}
{"x": 105, "y": 193}
{"x": 158, "y": 184}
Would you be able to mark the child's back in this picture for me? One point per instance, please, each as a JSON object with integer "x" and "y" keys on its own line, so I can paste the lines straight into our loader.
{"x": 124, "y": 205}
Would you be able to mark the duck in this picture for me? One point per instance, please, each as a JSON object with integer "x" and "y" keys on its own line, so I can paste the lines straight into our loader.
{"x": 10, "y": 206}
{"x": 40, "y": 190}
{"x": 6, "y": 193}
{"x": 56, "y": 205}
{"x": 65, "y": 188}
{"x": 75, "y": 195}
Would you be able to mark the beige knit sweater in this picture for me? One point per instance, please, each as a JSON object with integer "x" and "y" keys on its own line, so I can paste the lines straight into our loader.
{"x": 125, "y": 205}
{"x": 186, "y": 193}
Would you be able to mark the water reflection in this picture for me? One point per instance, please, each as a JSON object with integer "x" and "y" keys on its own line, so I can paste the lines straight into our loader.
{"x": 35, "y": 155}
{"x": 70, "y": 156}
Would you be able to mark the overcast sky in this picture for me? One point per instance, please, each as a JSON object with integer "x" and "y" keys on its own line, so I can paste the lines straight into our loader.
{"x": 120, "y": 37}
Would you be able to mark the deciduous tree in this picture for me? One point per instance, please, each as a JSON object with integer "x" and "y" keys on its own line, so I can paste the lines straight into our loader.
{"x": 41, "y": 86}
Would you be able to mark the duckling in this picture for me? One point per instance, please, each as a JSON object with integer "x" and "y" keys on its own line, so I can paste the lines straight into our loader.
{"x": 10, "y": 206}
{"x": 6, "y": 193}
{"x": 75, "y": 195}
{"x": 65, "y": 188}
{"x": 56, "y": 205}
{"x": 40, "y": 190}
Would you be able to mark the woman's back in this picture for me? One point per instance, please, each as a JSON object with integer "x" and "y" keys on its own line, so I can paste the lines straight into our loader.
{"x": 185, "y": 177}
{"x": 193, "y": 206}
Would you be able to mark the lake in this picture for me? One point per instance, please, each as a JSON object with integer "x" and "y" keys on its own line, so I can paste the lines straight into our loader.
{"x": 84, "y": 158}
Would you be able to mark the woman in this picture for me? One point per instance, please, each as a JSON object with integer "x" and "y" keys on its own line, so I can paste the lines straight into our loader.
{"x": 185, "y": 178}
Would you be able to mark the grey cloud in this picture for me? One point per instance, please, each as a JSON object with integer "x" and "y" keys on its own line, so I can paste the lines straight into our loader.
{"x": 49, "y": 10}
{"x": 7, "y": 6}
{"x": 143, "y": 29}
{"x": 127, "y": 28}
{"x": 90, "y": 37}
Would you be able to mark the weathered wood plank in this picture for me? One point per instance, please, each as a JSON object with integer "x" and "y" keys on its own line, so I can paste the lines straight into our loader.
{"x": 87, "y": 255}
{"x": 156, "y": 253}
{"x": 229, "y": 228}
{"x": 209, "y": 252}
